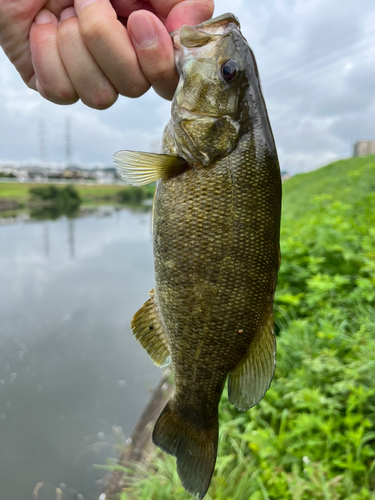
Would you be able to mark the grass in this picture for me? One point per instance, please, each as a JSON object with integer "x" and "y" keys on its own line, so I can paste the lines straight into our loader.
{"x": 15, "y": 191}
{"x": 90, "y": 194}
{"x": 341, "y": 180}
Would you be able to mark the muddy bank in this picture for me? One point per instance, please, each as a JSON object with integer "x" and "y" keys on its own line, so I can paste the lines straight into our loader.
{"x": 10, "y": 204}
{"x": 139, "y": 448}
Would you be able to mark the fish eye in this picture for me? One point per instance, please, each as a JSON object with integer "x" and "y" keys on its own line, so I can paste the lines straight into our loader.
{"x": 229, "y": 70}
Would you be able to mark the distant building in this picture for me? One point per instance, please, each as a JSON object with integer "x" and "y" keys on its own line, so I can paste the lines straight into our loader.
{"x": 284, "y": 176}
{"x": 364, "y": 148}
{"x": 5, "y": 170}
{"x": 55, "y": 173}
{"x": 74, "y": 173}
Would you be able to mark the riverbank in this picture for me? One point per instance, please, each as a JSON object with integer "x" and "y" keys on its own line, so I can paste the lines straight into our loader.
{"x": 15, "y": 195}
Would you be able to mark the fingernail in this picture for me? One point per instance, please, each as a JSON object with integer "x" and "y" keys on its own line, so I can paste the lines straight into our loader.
{"x": 81, "y": 4}
{"x": 142, "y": 30}
{"x": 44, "y": 17}
{"x": 66, "y": 13}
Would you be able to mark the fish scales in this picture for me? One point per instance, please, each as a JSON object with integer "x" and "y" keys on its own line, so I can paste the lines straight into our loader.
{"x": 216, "y": 225}
{"x": 210, "y": 278}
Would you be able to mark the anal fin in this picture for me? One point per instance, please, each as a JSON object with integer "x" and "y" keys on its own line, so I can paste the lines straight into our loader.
{"x": 149, "y": 332}
{"x": 250, "y": 380}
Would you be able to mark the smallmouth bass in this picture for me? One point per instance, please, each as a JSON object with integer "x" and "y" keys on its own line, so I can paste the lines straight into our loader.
{"x": 216, "y": 226}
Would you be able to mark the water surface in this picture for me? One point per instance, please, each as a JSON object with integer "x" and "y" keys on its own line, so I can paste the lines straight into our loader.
{"x": 73, "y": 380}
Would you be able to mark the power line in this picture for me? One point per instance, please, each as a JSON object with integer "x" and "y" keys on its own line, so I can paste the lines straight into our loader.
{"x": 307, "y": 71}
{"x": 322, "y": 54}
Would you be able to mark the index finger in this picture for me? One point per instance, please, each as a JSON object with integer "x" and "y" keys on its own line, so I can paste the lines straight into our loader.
{"x": 180, "y": 12}
{"x": 109, "y": 43}
{"x": 173, "y": 13}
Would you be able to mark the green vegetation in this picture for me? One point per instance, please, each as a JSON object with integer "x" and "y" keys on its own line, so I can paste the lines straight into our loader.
{"x": 55, "y": 201}
{"x": 8, "y": 176}
{"x": 313, "y": 434}
{"x": 133, "y": 194}
{"x": 15, "y": 191}
{"x": 67, "y": 195}
{"x": 103, "y": 193}
{"x": 89, "y": 194}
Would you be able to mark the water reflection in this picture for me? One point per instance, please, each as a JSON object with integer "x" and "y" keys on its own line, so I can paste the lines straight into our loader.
{"x": 46, "y": 239}
{"x": 71, "y": 238}
{"x": 53, "y": 212}
{"x": 72, "y": 378}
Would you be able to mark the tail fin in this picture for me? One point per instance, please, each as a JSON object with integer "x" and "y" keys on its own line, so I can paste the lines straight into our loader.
{"x": 194, "y": 448}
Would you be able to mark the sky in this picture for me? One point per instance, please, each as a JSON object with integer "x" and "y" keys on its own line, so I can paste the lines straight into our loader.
{"x": 316, "y": 60}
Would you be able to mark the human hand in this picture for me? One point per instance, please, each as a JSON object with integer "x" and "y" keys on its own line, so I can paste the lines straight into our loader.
{"x": 80, "y": 49}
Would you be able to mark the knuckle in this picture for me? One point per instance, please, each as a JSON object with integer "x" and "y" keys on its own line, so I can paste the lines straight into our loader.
{"x": 159, "y": 72}
{"x": 58, "y": 95}
{"x": 131, "y": 82}
{"x": 30, "y": 80}
{"x": 66, "y": 36}
{"x": 157, "y": 63}
{"x": 67, "y": 32}
{"x": 16, "y": 12}
{"x": 135, "y": 89}
{"x": 93, "y": 31}
{"x": 101, "y": 99}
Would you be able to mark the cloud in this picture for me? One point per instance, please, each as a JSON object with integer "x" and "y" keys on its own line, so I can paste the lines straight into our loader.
{"x": 317, "y": 64}
{"x": 95, "y": 135}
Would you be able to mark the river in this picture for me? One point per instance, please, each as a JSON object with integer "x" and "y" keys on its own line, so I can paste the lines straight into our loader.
{"x": 73, "y": 380}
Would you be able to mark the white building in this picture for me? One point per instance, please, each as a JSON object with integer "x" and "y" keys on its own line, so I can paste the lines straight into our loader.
{"x": 364, "y": 148}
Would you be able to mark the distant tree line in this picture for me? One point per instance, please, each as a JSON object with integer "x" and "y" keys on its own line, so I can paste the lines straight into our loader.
{"x": 2, "y": 174}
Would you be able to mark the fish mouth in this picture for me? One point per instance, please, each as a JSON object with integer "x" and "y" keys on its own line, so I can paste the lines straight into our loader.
{"x": 212, "y": 27}
{"x": 189, "y": 41}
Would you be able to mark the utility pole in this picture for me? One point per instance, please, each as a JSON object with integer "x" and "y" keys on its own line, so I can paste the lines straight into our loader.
{"x": 68, "y": 142}
{"x": 42, "y": 142}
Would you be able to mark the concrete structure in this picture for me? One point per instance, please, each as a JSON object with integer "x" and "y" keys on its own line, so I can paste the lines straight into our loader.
{"x": 364, "y": 148}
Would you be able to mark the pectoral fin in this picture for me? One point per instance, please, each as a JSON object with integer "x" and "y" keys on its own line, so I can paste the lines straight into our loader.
{"x": 149, "y": 332}
{"x": 143, "y": 168}
{"x": 249, "y": 381}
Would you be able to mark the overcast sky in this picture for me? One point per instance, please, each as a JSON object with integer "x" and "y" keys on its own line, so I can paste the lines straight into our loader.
{"x": 317, "y": 64}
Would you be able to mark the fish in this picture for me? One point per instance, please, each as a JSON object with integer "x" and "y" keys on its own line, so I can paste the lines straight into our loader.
{"x": 216, "y": 229}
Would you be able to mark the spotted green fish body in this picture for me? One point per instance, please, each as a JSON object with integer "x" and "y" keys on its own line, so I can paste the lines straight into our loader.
{"x": 216, "y": 227}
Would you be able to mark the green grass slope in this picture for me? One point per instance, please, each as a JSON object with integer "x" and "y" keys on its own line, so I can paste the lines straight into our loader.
{"x": 344, "y": 180}
{"x": 313, "y": 434}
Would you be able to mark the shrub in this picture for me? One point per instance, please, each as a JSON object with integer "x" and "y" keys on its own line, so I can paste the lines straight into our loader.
{"x": 134, "y": 194}
{"x": 57, "y": 201}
